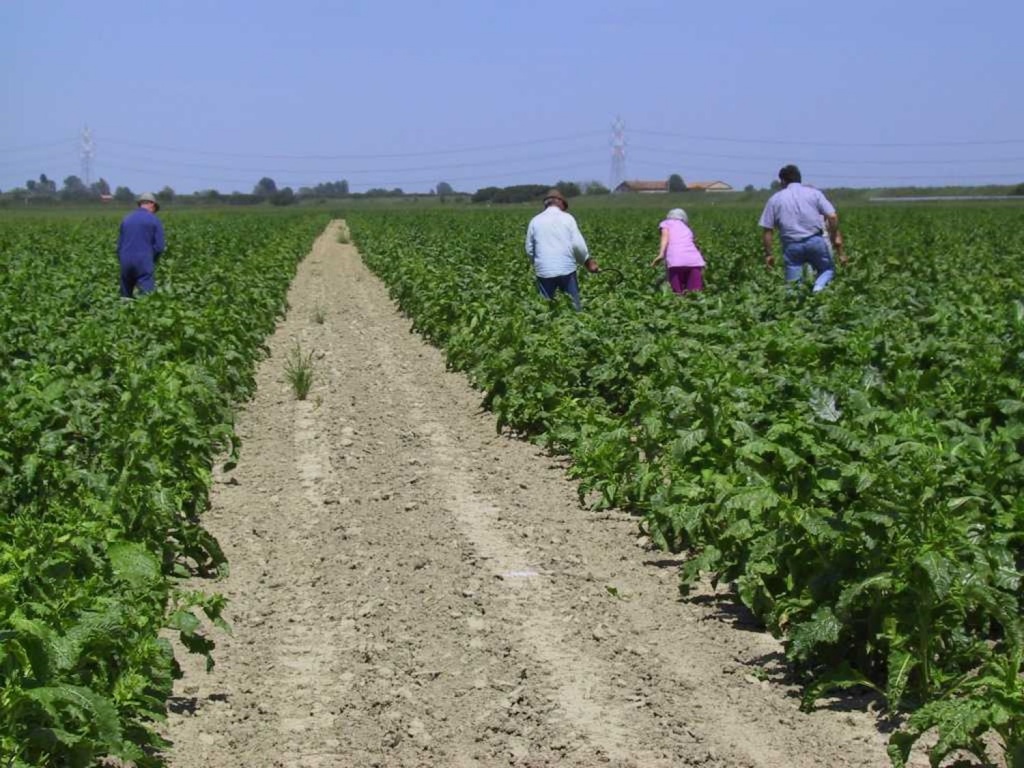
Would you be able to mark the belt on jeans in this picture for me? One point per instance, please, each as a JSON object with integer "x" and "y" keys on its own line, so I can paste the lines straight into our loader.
{"x": 809, "y": 237}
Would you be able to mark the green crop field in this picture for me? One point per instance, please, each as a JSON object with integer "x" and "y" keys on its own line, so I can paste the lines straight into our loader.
{"x": 853, "y": 461}
{"x": 114, "y": 412}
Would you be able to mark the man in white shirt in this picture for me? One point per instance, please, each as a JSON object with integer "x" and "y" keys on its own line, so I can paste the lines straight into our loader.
{"x": 555, "y": 246}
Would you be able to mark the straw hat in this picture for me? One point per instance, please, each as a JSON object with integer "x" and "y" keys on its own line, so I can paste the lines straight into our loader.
{"x": 555, "y": 194}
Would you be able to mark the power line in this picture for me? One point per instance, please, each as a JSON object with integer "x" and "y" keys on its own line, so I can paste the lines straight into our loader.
{"x": 682, "y": 156}
{"x": 36, "y": 162}
{"x": 687, "y": 153}
{"x": 359, "y": 156}
{"x": 409, "y": 169}
{"x": 877, "y": 176}
{"x": 553, "y": 170}
{"x": 66, "y": 142}
{"x": 72, "y": 141}
{"x": 801, "y": 142}
{"x": 122, "y": 153}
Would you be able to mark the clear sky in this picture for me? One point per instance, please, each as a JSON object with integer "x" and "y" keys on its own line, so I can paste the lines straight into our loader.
{"x": 396, "y": 93}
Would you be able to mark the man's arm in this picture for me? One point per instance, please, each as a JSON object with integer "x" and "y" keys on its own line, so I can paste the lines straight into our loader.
{"x": 836, "y": 237}
{"x": 159, "y": 242}
{"x": 766, "y": 242}
{"x": 767, "y": 223}
{"x": 580, "y": 250}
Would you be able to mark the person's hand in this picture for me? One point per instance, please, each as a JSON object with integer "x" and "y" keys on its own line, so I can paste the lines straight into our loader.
{"x": 656, "y": 261}
{"x": 591, "y": 265}
{"x": 843, "y": 258}
{"x": 769, "y": 261}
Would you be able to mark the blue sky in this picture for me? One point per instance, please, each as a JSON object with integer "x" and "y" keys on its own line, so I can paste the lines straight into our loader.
{"x": 408, "y": 94}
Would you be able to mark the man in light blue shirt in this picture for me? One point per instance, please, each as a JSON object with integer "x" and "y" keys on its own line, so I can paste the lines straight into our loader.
{"x": 555, "y": 246}
{"x": 798, "y": 213}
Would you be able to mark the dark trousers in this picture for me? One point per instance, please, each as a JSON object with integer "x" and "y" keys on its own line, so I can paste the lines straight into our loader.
{"x": 139, "y": 275}
{"x": 548, "y": 286}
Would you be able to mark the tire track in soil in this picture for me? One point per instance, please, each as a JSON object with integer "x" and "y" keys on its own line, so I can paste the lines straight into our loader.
{"x": 383, "y": 541}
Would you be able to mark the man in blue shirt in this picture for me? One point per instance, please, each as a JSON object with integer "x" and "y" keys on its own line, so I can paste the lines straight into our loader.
{"x": 140, "y": 241}
{"x": 798, "y": 212}
{"x": 555, "y": 246}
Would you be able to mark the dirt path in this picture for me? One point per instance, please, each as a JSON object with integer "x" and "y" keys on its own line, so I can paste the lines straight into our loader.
{"x": 410, "y": 589}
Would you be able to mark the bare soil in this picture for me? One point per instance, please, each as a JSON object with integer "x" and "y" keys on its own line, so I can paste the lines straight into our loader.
{"x": 410, "y": 588}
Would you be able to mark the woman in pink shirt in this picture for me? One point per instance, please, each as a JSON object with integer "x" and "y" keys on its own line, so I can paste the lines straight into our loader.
{"x": 680, "y": 253}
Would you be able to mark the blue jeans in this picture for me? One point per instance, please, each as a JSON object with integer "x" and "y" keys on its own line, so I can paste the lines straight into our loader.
{"x": 814, "y": 251}
{"x": 548, "y": 286}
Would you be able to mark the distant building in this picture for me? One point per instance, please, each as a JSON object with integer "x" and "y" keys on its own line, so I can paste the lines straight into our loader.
{"x": 643, "y": 187}
{"x": 655, "y": 187}
{"x": 709, "y": 186}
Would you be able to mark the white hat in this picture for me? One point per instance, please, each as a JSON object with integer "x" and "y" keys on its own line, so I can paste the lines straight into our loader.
{"x": 148, "y": 197}
{"x": 678, "y": 213}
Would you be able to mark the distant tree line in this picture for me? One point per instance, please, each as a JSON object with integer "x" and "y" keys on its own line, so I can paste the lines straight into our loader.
{"x": 525, "y": 193}
{"x": 44, "y": 191}
{"x": 330, "y": 190}
{"x": 45, "y": 188}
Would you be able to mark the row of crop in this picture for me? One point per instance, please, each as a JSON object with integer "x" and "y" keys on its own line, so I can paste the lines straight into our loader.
{"x": 114, "y": 412}
{"x": 850, "y": 461}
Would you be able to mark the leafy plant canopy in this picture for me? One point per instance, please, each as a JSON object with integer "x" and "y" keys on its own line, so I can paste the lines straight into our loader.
{"x": 852, "y": 461}
{"x": 114, "y": 413}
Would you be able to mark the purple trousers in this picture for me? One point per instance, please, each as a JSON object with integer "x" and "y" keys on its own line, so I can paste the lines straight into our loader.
{"x": 683, "y": 279}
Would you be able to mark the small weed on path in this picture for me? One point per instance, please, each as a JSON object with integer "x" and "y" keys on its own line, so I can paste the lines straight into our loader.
{"x": 299, "y": 370}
